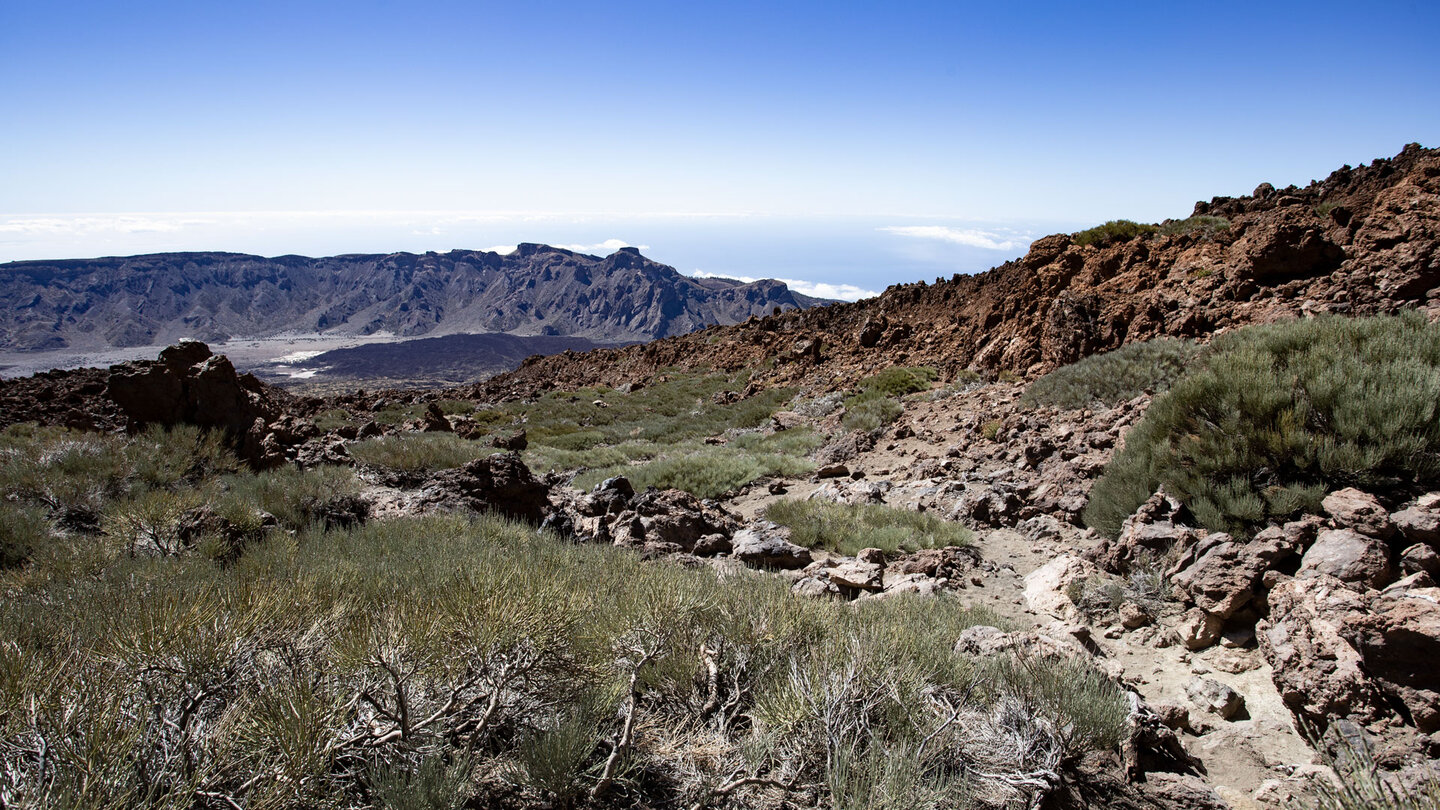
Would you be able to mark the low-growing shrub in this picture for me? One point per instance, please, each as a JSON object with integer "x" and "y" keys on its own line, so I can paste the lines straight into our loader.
{"x": 23, "y": 530}
{"x": 297, "y": 498}
{"x": 846, "y": 528}
{"x": 898, "y": 381}
{"x": 819, "y": 407}
{"x": 1114, "y": 377}
{"x": 1278, "y": 415}
{"x": 333, "y": 419}
{"x": 390, "y": 665}
{"x": 871, "y": 414}
{"x": 1116, "y": 230}
{"x": 419, "y": 451}
{"x": 1198, "y": 223}
{"x": 705, "y": 473}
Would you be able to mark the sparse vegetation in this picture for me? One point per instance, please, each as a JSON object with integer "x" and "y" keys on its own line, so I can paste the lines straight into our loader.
{"x": 877, "y": 404}
{"x": 848, "y": 528}
{"x": 391, "y": 664}
{"x": 1114, "y": 377}
{"x": 419, "y": 451}
{"x": 1199, "y": 223}
{"x": 1116, "y": 230}
{"x": 1276, "y": 416}
{"x": 871, "y": 414}
{"x": 709, "y": 471}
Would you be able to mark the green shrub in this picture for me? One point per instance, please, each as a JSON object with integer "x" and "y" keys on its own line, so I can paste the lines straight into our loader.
{"x": 871, "y": 414}
{"x": 1279, "y": 415}
{"x": 1113, "y": 377}
{"x": 847, "y": 528}
{"x": 392, "y": 665}
{"x": 706, "y": 473}
{"x": 419, "y": 451}
{"x": 898, "y": 381}
{"x": 1201, "y": 223}
{"x": 23, "y": 530}
{"x": 333, "y": 419}
{"x": 1116, "y": 230}
{"x": 296, "y": 497}
{"x": 456, "y": 407}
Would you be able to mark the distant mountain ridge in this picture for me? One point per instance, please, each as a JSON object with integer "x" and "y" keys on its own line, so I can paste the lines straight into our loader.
{"x": 158, "y": 298}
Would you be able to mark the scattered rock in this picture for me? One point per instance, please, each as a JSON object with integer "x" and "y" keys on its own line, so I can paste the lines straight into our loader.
{"x": 1133, "y": 616}
{"x": 1046, "y": 586}
{"x": 1215, "y": 697}
{"x": 1198, "y": 629}
{"x": 516, "y": 441}
{"x": 663, "y": 520}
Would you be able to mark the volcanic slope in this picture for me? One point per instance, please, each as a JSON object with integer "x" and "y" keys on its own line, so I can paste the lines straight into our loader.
{"x": 89, "y": 304}
{"x": 1365, "y": 240}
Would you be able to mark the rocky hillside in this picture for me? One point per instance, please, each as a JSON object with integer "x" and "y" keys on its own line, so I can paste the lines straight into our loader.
{"x": 88, "y": 304}
{"x": 1364, "y": 240}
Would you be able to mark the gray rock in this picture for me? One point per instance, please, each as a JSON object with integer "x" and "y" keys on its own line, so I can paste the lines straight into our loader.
{"x": 1348, "y": 556}
{"x": 768, "y": 546}
{"x": 1213, "y": 696}
{"x": 859, "y": 575}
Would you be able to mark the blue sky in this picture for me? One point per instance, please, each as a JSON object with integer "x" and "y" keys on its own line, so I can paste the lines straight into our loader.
{"x": 699, "y": 130}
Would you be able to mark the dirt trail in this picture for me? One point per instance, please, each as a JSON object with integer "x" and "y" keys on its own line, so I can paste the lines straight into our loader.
{"x": 1256, "y": 761}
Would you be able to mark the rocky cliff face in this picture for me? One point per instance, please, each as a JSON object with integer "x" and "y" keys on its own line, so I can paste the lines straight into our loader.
{"x": 1364, "y": 240}
{"x": 537, "y": 290}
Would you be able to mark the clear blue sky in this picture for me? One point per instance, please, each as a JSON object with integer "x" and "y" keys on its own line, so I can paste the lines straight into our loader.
{"x": 901, "y": 113}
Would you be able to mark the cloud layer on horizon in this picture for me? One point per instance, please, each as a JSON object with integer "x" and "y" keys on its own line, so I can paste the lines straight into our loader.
{"x": 815, "y": 289}
{"x": 970, "y": 237}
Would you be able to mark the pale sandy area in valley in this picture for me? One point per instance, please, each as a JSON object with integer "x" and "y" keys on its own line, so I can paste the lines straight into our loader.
{"x": 277, "y": 356}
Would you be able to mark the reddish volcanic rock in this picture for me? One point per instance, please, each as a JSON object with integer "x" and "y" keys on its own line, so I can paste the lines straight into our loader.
{"x": 1365, "y": 240}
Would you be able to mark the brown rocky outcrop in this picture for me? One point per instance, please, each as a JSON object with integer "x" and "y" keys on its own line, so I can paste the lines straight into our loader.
{"x": 671, "y": 521}
{"x": 499, "y": 483}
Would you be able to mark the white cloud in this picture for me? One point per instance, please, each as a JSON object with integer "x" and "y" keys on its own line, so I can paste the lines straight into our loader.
{"x": 816, "y": 289}
{"x": 88, "y": 225}
{"x": 970, "y": 237}
{"x": 602, "y": 248}
{"x": 503, "y": 250}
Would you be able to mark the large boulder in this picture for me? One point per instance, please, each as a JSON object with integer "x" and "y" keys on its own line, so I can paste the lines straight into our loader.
{"x": 767, "y": 545}
{"x": 189, "y": 385}
{"x": 1318, "y": 672}
{"x": 1350, "y": 557}
{"x": 499, "y": 483}
{"x": 1360, "y": 512}
{"x": 1399, "y": 641}
{"x": 1226, "y": 574}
